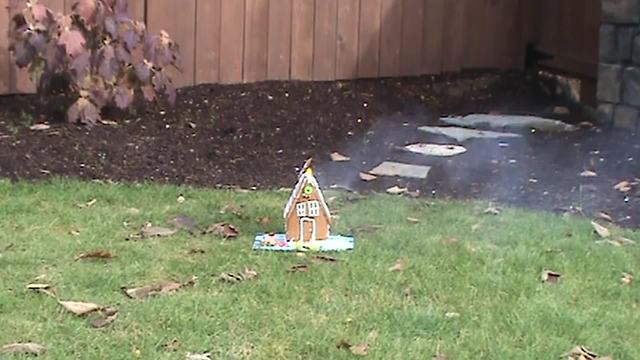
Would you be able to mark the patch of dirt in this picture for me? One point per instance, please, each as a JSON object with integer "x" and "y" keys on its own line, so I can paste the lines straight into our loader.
{"x": 258, "y": 134}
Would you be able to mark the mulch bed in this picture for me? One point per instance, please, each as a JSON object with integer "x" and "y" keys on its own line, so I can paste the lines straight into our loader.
{"x": 256, "y": 135}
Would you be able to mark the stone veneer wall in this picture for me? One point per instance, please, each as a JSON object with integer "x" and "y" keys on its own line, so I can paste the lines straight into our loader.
{"x": 619, "y": 69}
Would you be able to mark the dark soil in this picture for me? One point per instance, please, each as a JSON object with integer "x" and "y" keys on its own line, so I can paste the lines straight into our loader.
{"x": 258, "y": 134}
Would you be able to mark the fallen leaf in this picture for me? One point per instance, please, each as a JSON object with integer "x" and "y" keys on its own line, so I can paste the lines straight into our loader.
{"x": 157, "y": 231}
{"x": 627, "y": 278}
{"x": 24, "y": 348}
{"x": 492, "y": 210}
{"x": 335, "y": 156}
{"x": 192, "y": 356}
{"x": 106, "y": 318}
{"x": 99, "y": 254}
{"x": 80, "y": 308}
{"x": 172, "y": 345}
{"x": 588, "y": 173}
{"x": 619, "y": 241}
{"x": 88, "y": 204}
{"x": 367, "y": 177}
{"x": 180, "y": 199}
{"x": 39, "y": 127}
{"x": 413, "y": 220}
{"x": 234, "y": 278}
{"x": 263, "y": 220}
{"x": 600, "y": 230}
{"x": 624, "y": 186}
{"x": 396, "y": 190}
{"x": 603, "y": 216}
{"x": 223, "y": 229}
{"x": 107, "y": 122}
{"x": 298, "y": 268}
{"x": 551, "y": 277}
{"x": 232, "y": 208}
{"x": 44, "y": 288}
{"x": 74, "y": 232}
{"x": 359, "y": 350}
{"x": 324, "y": 259}
{"x": 158, "y": 289}
{"x": 400, "y": 265}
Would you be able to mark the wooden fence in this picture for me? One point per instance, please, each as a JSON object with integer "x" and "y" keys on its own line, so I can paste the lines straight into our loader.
{"x": 231, "y": 41}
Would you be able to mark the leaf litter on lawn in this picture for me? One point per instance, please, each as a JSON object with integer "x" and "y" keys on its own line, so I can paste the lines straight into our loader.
{"x": 359, "y": 349}
{"x": 225, "y": 230}
{"x": 551, "y": 277}
{"x": 162, "y": 288}
{"x": 24, "y": 348}
{"x": 44, "y": 288}
{"x": 105, "y": 318}
{"x": 97, "y": 254}
{"x": 186, "y": 223}
{"x": 399, "y": 265}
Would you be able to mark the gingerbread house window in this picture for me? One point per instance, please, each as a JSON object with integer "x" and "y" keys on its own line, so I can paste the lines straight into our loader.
{"x": 301, "y": 209}
{"x": 314, "y": 208}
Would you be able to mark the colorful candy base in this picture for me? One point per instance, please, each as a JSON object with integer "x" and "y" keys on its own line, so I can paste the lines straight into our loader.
{"x": 278, "y": 242}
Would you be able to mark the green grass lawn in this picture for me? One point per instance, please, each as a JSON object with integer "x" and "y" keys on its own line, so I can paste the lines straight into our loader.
{"x": 485, "y": 268}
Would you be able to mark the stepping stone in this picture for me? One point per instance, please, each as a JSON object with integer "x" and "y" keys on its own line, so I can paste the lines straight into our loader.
{"x": 498, "y": 122}
{"x": 435, "y": 149}
{"x": 390, "y": 168}
{"x": 463, "y": 134}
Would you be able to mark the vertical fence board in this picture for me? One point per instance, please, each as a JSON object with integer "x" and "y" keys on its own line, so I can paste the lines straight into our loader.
{"x": 512, "y": 32}
{"x": 324, "y": 50}
{"x": 347, "y": 48}
{"x": 207, "y": 60}
{"x": 302, "y": 40}
{"x": 231, "y": 41}
{"x": 279, "y": 48}
{"x": 433, "y": 39}
{"x": 412, "y": 32}
{"x": 390, "y": 37}
{"x": 453, "y": 47}
{"x": 369, "y": 38}
{"x": 256, "y": 40}
{"x": 182, "y": 29}
{"x": 476, "y": 53}
{"x": 5, "y": 68}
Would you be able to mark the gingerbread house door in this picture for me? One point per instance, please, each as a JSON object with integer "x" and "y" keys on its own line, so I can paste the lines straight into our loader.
{"x": 307, "y": 229}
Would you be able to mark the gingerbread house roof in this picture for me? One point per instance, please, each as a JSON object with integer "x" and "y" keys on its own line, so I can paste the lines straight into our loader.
{"x": 306, "y": 177}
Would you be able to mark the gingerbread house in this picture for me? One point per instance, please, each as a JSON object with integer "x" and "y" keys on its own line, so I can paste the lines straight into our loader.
{"x": 307, "y": 215}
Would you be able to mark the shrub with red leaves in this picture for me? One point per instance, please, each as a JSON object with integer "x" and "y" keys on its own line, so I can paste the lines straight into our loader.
{"x": 102, "y": 55}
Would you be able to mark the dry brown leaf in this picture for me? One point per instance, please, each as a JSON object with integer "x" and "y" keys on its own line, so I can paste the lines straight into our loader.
{"x": 600, "y": 230}
{"x": 80, "y": 308}
{"x": 400, "y": 265}
{"x": 263, "y": 220}
{"x": 627, "y": 278}
{"x": 44, "y": 288}
{"x": 234, "y": 278}
{"x": 106, "y": 318}
{"x": 367, "y": 177}
{"x": 158, "y": 289}
{"x": 413, "y": 220}
{"x": 74, "y": 232}
{"x": 24, "y": 348}
{"x": 98, "y": 254}
{"x": 336, "y": 156}
{"x": 551, "y": 277}
{"x": 157, "y": 231}
{"x": 581, "y": 353}
{"x": 324, "y": 259}
{"x": 225, "y": 230}
{"x": 232, "y": 208}
{"x": 298, "y": 268}
{"x": 88, "y": 204}
{"x": 396, "y": 190}
{"x": 172, "y": 345}
{"x": 603, "y": 216}
{"x": 359, "y": 350}
{"x": 588, "y": 173}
